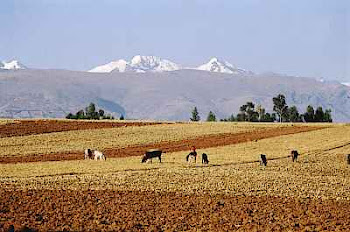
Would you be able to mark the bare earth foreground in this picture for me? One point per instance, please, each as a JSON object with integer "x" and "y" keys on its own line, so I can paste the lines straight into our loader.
{"x": 232, "y": 193}
{"x": 151, "y": 211}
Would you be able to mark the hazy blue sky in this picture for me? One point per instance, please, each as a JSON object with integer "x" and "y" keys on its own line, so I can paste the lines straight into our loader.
{"x": 299, "y": 37}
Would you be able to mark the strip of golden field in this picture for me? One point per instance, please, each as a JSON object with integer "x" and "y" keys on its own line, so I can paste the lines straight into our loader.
{"x": 319, "y": 172}
{"x": 117, "y": 137}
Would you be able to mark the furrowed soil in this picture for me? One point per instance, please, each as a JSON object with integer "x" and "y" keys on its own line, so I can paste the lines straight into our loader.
{"x": 206, "y": 141}
{"x": 106, "y": 210}
{"x": 33, "y": 127}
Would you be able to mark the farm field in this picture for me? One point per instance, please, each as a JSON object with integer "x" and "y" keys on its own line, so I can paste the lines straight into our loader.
{"x": 9, "y": 128}
{"x": 232, "y": 192}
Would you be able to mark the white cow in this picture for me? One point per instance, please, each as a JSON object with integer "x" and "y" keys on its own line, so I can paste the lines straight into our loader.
{"x": 99, "y": 155}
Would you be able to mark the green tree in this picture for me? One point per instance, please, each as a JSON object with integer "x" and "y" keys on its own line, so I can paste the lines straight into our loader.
{"x": 195, "y": 115}
{"x": 121, "y": 117}
{"x": 267, "y": 117}
{"x": 319, "y": 115}
{"x": 80, "y": 114}
{"x": 293, "y": 114}
{"x": 280, "y": 107}
{"x": 327, "y": 116}
{"x": 247, "y": 112}
{"x": 309, "y": 115}
{"x": 91, "y": 111}
{"x": 211, "y": 117}
{"x": 70, "y": 116}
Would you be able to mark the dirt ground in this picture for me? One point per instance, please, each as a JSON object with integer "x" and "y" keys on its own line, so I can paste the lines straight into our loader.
{"x": 32, "y": 127}
{"x": 170, "y": 146}
{"x": 63, "y": 210}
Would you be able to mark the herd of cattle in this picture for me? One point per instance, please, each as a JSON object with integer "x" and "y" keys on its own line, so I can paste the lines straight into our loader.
{"x": 157, "y": 153}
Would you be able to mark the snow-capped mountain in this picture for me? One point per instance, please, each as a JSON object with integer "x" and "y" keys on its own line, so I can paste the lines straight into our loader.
{"x": 221, "y": 66}
{"x": 156, "y": 64}
{"x": 119, "y": 65}
{"x": 346, "y": 83}
{"x": 138, "y": 64}
{"x": 12, "y": 65}
{"x": 152, "y": 63}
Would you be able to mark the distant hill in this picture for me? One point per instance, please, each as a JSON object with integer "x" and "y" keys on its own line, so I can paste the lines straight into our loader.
{"x": 160, "y": 95}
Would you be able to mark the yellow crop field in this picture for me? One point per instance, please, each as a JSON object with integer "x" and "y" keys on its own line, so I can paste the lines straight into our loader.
{"x": 233, "y": 170}
{"x": 117, "y": 137}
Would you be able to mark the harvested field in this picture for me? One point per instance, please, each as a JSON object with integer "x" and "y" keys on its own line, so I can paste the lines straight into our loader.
{"x": 207, "y": 141}
{"x": 34, "y": 127}
{"x": 121, "y": 137}
{"x": 151, "y": 211}
{"x": 232, "y": 193}
{"x": 233, "y": 170}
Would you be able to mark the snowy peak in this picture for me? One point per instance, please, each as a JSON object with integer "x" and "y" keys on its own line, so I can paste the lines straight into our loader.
{"x": 138, "y": 64}
{"x": 12, "y": 65}
{"x": 152, "y": 63}
{"x": 221, "y": 66}
{"x": 119, "y": 65}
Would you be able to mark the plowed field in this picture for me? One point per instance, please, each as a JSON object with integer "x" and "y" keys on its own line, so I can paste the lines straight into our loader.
{"x": 33, "y": 127}
{"x": 151, "y": 211}
{"x": 171, "y": 146}
{"x": 231, "y": 193}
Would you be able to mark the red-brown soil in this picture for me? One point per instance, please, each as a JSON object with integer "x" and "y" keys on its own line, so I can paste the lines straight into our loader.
{"x": 170, "y": 146}
{"x": 33, "y": 127}
{"x": 107, "y": 210}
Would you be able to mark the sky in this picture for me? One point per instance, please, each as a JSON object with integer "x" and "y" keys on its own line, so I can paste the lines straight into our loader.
{"x": 300, "y": 37}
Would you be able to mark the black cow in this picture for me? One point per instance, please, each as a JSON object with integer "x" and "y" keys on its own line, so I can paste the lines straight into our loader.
{"x": 263, "y": 160}
{"x": 193, "y": 154}
{"x": 205, "y": 159}
{"x": 348, "y": 158}
{"x": 294, "y": 154}
{"x": 88, "y": 154}
{"x": 152, "y": 154}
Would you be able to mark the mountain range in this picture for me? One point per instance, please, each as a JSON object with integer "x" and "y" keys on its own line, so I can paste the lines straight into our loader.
{"x": 156, "y": 64}
{"x": 153, "y": 88}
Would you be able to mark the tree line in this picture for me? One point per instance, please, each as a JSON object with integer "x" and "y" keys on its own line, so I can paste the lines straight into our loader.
{"x": 282, "y": 113}
{"x": 91, "y": 113}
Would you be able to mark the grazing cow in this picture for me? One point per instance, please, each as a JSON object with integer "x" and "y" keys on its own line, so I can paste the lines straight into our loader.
{"x": 99, "y": 155}
{"x": 152, "y": 154}
{"x": 205, "y": 159}
{"x": 192, "y": 154}
{"x": 88, "y": 154}
{"x": 348, "y": 158}
{"x": 294, "y": 154}
{"x": 263, "y": 160}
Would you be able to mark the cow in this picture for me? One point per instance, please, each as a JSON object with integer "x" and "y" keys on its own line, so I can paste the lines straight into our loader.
{"x": 88, "y": 154}
{"x": 98, "y": 155}
{"x": 192, "y": 154}
{"x": 348, "y": 158}
{"x": 205, "y": 159}
{"x": 294, "y": 154}
{"x": 263, "y": 160}
{"x": 152, "y": 154}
